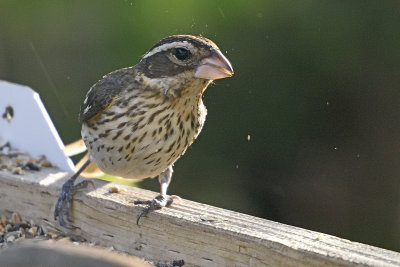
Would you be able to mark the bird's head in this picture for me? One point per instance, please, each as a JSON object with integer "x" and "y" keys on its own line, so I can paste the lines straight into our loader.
{"x": 181, "y": 61}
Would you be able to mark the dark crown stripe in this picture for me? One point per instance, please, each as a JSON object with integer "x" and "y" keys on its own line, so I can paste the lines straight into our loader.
{"x": 198, "y": 41}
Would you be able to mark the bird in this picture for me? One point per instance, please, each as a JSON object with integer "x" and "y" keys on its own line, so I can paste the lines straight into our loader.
{"x": 137, "y": 121}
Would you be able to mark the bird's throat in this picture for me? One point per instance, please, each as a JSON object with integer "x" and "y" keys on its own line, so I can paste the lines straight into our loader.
{"x": 178, "y": 86}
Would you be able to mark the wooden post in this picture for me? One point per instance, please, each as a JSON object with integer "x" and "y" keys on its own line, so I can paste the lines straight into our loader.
{"x": 199, "y": 234}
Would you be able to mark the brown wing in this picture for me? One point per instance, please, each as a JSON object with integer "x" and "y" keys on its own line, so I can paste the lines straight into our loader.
{"x": 100, "y": 97}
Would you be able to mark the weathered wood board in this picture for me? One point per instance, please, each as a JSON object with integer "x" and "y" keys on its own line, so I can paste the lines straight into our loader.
{"x": 199, "y": 234}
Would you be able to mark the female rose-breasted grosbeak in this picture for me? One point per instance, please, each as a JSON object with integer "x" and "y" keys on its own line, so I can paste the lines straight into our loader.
{"x": 137, "y": 121}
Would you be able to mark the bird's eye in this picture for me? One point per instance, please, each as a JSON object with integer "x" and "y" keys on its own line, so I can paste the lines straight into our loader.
{"x": 181, "y": 53}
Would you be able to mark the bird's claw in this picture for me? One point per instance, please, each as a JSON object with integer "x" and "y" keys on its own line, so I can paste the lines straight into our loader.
{"x": 63, "y": 204}
{"x": 157, "y": 203}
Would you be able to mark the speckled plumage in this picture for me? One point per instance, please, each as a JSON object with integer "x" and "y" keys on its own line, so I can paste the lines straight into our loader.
{"x": 154, "y": 132}
{"x": 137, "y": 121}
{"x": 149, "y": 114}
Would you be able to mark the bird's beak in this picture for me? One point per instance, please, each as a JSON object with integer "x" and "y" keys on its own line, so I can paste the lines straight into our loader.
{"x": 214, "y": 67}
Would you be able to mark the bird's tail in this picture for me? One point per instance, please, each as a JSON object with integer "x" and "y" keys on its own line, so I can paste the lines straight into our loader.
{"x": 78, "y": 147}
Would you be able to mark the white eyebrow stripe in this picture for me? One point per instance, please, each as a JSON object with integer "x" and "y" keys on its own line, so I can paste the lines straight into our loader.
{"x": 167, "y": 46}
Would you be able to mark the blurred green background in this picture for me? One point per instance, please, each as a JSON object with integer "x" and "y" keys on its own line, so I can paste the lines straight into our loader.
{"x": 306, "y": 133}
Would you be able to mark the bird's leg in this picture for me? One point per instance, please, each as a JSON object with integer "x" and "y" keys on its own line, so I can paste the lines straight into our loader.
{"x": 161, "y": 200}
{"x": 63, "y": 204}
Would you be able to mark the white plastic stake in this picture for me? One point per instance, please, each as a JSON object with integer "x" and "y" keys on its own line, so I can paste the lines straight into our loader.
{"x": 25, "y": 123}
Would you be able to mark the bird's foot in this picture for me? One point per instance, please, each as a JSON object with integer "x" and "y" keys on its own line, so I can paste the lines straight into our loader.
{"x": 157, "y": 203}
{"x": 63, "y": 204}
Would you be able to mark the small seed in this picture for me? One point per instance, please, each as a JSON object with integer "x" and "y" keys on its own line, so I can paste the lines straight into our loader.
{"x": 46, "y": 164}
{"x": 8, "y": 228}
{"x": 114, "y": 189}
{"x": 15, "y": 218}
{"x": 19, "y": 162}
{"x": 18, "y": 170}
{"x": 33, "y": 230}
{"x": 4, "y": 220}
{"x": 33, "y": 160}
{"x": 32, "y": 166}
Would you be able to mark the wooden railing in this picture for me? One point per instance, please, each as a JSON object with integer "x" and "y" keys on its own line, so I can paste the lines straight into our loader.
{"x": 199, "y": 234}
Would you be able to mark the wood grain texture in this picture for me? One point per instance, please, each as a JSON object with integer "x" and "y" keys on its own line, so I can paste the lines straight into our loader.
{"x": 199, "y": 234}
